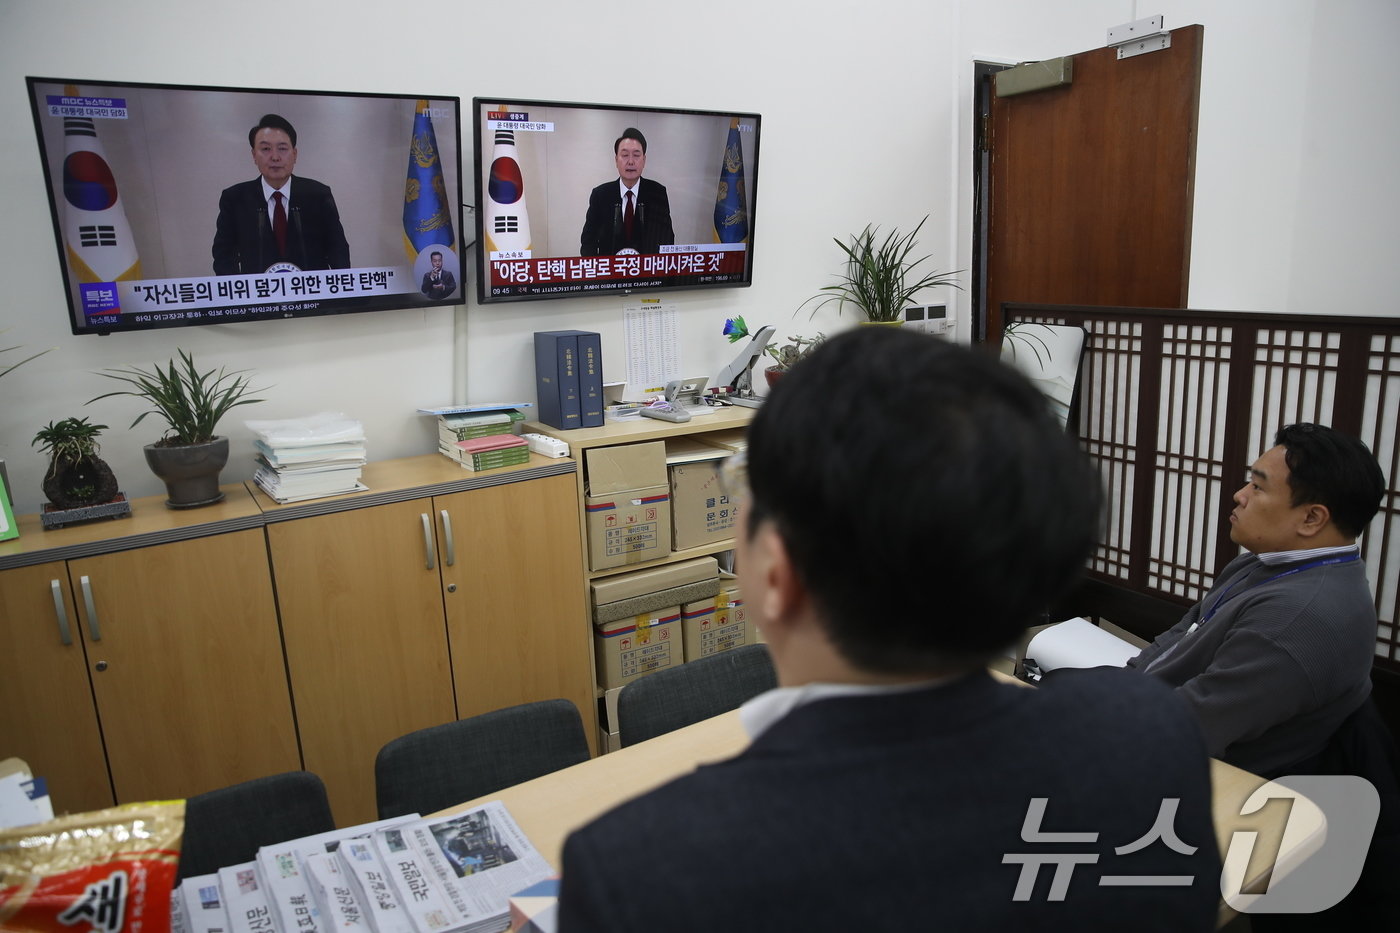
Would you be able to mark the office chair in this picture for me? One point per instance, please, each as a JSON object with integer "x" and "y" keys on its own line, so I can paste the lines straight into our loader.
{"x": 438, "y": 767}
{"x": 226, "y": 826}
{"x": 696, "y": 690}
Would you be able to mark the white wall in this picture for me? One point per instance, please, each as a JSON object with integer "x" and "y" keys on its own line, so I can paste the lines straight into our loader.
{"x": 866, "y": 119}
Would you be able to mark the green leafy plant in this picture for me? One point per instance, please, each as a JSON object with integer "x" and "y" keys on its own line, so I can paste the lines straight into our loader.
{"x": 880, "y": 278}
{"x": 796, "y": 349}
{"x": 70, "y": 439}
{"x": 190, "y": 401}
{"x": 6, "y": 370}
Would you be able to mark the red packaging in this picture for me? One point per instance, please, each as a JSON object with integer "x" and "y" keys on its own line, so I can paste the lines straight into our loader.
{"x": 108, "y": 871}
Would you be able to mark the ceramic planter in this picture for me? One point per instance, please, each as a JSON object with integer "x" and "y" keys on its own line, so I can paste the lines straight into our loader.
{"x": 190, "y": 471}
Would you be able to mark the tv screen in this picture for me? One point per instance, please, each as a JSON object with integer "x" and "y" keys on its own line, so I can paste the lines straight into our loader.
{"x": 176, "y": 205}
{"x": 586, "y": 199}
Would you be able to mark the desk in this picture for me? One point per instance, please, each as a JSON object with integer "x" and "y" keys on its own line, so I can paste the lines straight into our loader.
{"x": 550, "y": 807}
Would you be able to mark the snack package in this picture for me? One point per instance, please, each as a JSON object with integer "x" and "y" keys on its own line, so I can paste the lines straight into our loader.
{"x": 108, "y": 871}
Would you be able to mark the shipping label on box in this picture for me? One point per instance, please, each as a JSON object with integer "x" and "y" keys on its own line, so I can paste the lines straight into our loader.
{"x": 632, "y": 648}
{"x": 628, "y": 528}
{"x": 714, "y": 625}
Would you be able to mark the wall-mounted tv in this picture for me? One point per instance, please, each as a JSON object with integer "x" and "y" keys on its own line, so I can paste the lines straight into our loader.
{"x": 587, "y": 199}
{"x": 176, "y": 205}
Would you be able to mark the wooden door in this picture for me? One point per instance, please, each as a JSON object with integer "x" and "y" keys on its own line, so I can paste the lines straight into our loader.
{"x": 515, "y": 605}
{"x": 366, "y": 642}
{"x": 1092, "y": 183}
{"x": 47, "y": 716}
{"x": 187, "y": 672}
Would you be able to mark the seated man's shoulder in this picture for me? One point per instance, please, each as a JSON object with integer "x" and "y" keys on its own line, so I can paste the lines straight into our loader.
{"x": 1116, "y": 698}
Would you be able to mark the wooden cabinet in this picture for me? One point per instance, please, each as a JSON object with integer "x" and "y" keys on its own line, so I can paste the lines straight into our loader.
{"x": 47, "y": 716}
{"x": 412, "y": 613}
{"x": 172, "y": 681}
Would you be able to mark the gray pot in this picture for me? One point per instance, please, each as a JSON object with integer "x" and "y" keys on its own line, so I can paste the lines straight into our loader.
{"x": 190, "y": 472}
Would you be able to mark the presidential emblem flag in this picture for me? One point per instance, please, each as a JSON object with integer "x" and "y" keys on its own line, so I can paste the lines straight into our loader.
{"x": 731, "y": 199}
{"x": 427, "y": 215}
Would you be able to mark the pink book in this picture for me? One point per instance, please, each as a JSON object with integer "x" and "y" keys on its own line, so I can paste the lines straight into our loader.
{"x": 476, "y": 445}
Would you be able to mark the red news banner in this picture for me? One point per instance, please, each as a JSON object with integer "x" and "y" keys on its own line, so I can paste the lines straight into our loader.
{"x": 527, "y": 275}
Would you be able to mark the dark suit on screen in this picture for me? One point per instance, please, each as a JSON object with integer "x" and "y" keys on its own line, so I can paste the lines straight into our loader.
{"x": 603, "y": 233}
{"x": 243, "y": 239}
{"x": 441, "y": 288}
{"x": 894, "y": 812}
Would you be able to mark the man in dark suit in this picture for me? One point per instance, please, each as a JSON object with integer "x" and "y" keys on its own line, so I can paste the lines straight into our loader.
{"x": 908, "y": 507}
{"x": 276, "y": 218}
{"x": 438, "y": 282}
{"x": 631, "y": 214}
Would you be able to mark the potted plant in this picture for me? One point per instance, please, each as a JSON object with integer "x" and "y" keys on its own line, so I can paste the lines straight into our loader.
{"x": 189, "y": 457}
{"x": 880, "y": 279}
{"x": 785, "y": 356}
{"x": 76, "y": 476}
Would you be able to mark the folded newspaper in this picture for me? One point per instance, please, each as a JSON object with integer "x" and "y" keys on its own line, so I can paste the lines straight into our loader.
{"x": 456, "y": 874}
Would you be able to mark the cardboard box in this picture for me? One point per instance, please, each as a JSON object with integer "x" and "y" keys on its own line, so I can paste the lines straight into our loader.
{"x": 653, "y": 580}
{"x": 710, "y": 626}
{"x": 627, "y": 649}
{"x": 701, "y": 514}
{"x": 628, "y": 504}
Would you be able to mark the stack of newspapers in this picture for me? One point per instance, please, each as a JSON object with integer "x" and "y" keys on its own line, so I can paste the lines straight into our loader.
{"x": 407, "y": 875}
{"x": 307, "y": 458}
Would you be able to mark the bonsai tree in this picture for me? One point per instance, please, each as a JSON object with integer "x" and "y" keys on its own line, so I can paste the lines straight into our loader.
{"x": 76, "y": 476}
{"x": 797, "y": 348}
{"x": 880, "y": 279}
{"x": 190, "y": 401}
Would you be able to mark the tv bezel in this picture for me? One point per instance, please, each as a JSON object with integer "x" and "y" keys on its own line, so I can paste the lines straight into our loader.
{"x": 481, "y": 164}
{"x": 397, "y": 301}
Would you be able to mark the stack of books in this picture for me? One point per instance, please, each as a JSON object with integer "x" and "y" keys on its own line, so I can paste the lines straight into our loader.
{"x": 308, "y": 458}
{"x": 483, "y": 440}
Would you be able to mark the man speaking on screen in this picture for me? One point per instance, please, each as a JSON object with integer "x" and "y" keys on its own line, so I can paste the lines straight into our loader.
{"x": 277, "y": 220}
{"x": 630, "y": 214}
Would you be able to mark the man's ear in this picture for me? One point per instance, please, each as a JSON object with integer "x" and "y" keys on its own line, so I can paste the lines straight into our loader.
{"x": 783, "y": 593}
{"x": 1316, "y": 519}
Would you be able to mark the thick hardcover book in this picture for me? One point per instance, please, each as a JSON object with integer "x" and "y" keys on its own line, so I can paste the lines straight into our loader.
{"x": 590, "y": 365}
{"x": 557, "y": 378}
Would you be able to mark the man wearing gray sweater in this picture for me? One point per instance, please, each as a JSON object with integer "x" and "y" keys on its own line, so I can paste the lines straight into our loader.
{"x": 1279, "y": 651}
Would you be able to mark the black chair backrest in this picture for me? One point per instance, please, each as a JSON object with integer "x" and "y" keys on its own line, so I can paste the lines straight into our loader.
{"x": 227, "y": 826}
{"x": 438, "y": 767}
{"x": 669, "y": 699}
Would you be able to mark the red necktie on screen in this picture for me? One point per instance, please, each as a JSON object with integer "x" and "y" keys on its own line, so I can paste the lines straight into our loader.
{"x": 627, "y": 219}
{"x": 279, "y": 223}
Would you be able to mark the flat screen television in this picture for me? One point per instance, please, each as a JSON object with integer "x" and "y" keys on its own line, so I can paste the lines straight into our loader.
{"x": 165, "y": 215}
{"x": 553, "y": 219}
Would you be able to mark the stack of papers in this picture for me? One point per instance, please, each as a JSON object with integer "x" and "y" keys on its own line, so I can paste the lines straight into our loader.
{"x": 404, "y": 875}
{"x": 308, "y": 458}
{"x": 24, "y": 799}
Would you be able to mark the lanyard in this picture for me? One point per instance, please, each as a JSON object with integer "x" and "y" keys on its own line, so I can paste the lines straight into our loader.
{"x": 1228, "y": 594}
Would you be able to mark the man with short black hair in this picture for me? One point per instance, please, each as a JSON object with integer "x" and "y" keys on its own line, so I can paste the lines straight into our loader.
{"x": 438, "y": 282}
{"x": 277, "y": 221}
{"x": 630, "y": 214}
{"x": 1279, "y": 651}
{"x": 907, "y": 507}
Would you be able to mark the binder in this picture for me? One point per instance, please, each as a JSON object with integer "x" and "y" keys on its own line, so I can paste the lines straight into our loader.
{"x": 557, "y": 378}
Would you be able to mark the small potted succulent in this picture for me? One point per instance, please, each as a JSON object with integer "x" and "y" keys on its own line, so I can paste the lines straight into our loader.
{"x": 76, "y": 476}
{"x": 189, "y": 457}
{"x": 785, "y": 356}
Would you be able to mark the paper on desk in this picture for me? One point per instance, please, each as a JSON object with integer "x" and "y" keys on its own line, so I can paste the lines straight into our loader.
{"x": 1078, "y": 643}
{"x": 23, "y": 801}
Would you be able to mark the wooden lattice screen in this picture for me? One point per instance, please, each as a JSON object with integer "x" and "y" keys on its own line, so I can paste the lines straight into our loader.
{"x": 1174, "y": 405}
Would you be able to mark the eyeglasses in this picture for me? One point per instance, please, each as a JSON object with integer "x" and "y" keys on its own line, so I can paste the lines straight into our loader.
{"x": 734, "y": 476}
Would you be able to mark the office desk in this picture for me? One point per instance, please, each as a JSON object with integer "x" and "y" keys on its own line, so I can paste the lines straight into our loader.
{"x": 550, "y": 807}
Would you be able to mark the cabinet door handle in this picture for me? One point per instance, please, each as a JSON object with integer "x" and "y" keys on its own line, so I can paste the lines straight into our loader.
{"x": 450, "y": 544}
{"x": 91, "y": 609}
{"x": 428, "y": 540}
{"x": 60, "y": 610}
